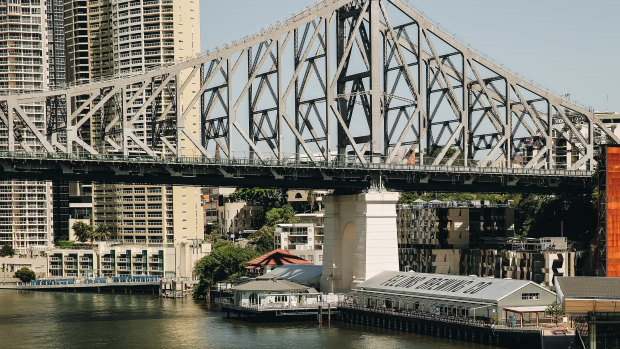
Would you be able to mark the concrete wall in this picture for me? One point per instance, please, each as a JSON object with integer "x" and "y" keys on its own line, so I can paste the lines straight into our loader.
{"x": 9, "y": 265}
{"x": 360, "y": 239}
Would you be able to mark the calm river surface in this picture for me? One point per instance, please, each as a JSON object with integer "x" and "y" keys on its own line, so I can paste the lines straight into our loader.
{"x": 85, "y": 320}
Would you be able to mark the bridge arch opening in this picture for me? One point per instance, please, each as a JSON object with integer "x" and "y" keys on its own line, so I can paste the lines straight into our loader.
{"x": 349, "y": 259}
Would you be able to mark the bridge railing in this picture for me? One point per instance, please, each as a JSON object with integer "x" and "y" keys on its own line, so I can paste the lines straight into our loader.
{"x": 379, "y": 163}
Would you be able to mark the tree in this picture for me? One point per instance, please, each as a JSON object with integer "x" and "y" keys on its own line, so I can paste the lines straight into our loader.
{"x": 225, "y": 262}
{"x": 215, "y": 233}
{"x": 284, "y": 214}
{"x": 83, "y": 231}
{"x": 7, "y": 251}
{"x": 263, "y": 239}
{"x": 102, "y": 232}
{"x": 267, "y": 198}
{"x": 25, "y": 274}
{"x": 410, "y": 197}
{"x": 556, "y": 310}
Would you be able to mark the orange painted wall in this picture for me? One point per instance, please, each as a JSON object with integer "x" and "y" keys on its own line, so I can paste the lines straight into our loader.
{"x": 613, "y": 211}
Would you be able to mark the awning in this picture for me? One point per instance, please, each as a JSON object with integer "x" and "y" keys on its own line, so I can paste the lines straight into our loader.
{"x": 527, "y": 310}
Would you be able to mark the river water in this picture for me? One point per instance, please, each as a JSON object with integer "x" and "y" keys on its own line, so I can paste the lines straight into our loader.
{"x": 84, "y": 320}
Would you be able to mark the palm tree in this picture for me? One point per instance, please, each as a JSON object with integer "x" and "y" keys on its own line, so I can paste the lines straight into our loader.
{"x": 83, "y": 231}
{"x": 101, "y": 233}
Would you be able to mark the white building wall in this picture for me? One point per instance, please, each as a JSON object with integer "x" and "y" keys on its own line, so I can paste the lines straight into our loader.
{"x": 25, "y": 209}
{"x": 360, "y": 239}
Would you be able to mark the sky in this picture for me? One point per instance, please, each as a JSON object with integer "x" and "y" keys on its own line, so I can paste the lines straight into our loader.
{"x": 567, "y": 46}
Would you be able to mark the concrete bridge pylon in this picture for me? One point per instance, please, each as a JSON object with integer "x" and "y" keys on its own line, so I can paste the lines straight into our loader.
{"x": 360, "y": 238}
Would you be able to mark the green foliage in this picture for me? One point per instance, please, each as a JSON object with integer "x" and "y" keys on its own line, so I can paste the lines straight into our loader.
{"x": 540, "y": 215}
{"x": 65, "y": 243}
{"x": 555, "y": 309}
{"x": 7, "y": 251}
{"x": 410, "y": 197}
{"x": 224, "y": 262}
{"x": 220, "y": 244}
{"x": 102, "y": 232}
{"x": 284, "y": 214}
{"x": 83, "y": 231}
{"x": 215, "y": 234}
{"x": 267, "y": 198}
{"x": 25, "y": 274}
{"x": 263, "y": 240}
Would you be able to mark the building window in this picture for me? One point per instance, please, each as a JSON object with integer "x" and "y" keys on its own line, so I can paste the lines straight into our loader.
{"x": 528, "y": 296}
{"x": 253, "y": 299}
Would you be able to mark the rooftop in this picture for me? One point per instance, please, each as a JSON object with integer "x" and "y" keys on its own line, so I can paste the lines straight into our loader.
{"x": 271, "y": 284}
{"x": 451, "y": 286}
{"x": 302, "y": 273}
{"x": 276, "y": 257}
{"x": 590, "y": 287}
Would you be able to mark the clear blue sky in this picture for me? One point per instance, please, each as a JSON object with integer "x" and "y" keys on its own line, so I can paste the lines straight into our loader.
{"x": 567, "y": 46}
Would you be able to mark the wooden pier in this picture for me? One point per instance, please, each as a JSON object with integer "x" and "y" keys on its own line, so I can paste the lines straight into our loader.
{"x": 453, "y": 327}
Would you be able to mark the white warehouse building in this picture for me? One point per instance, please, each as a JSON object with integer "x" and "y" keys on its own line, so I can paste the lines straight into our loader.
{"x": 455, "y": 295}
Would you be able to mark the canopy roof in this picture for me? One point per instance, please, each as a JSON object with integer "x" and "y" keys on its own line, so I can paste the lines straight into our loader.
{"x": 273, "y": 284}
{"x": 526, "y": 310}
{"x": 276, "y": 257}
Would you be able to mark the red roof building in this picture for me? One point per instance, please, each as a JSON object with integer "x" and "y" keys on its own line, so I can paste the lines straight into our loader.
{"x": 274, "y": 259}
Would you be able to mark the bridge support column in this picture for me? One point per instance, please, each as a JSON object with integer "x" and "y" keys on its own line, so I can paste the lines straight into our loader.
{"x": 360, "y": 239}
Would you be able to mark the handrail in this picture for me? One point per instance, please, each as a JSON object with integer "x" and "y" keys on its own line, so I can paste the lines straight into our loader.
{"x": 288, "y": 162}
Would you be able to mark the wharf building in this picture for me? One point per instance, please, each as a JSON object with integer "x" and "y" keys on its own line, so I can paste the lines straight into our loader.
{"x": 594, "y": 305}
{"x": 457, "y": 239}
{"x": 31, "y": 59}
{"x": 465, "y": 296}
{"x": 107, "y": 38}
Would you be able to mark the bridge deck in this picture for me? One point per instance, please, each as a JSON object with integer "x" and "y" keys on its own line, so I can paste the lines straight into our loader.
{"x": 288, "y": 173}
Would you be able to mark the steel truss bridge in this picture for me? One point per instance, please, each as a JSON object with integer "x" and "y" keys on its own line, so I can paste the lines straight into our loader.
{"x": 344, "y": 94}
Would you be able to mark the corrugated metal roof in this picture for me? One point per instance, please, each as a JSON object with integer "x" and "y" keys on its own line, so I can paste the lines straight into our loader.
{"x": 272, "y": 284}
{"x": 589, "y": 287}
{"x": 439, "y": 285}
{"x": 302, "y": 273}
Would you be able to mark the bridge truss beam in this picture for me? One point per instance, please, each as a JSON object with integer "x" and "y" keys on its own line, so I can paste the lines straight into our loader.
{"x": 356, "y": 82}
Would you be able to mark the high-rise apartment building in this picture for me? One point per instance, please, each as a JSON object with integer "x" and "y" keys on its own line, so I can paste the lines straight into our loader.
{"x": 25, "y": 49}
{"x": 120, "y": 37}
{"x": 56, "y": 43}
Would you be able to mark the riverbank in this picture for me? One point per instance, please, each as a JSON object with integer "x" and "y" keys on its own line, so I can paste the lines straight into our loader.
{"x": 79, "y": 320}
